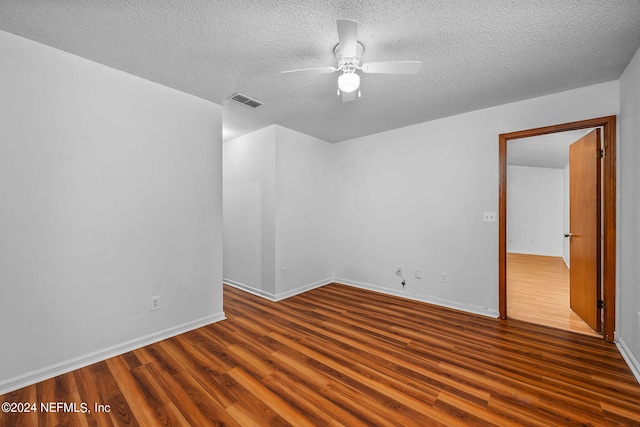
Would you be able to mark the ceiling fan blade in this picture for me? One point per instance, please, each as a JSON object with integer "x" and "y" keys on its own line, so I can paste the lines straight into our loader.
{"x": 348, "y": 96}
{"x": 348, "y": 37}
{"x": 392, "y": 67}
{"x": 315, "y": 70}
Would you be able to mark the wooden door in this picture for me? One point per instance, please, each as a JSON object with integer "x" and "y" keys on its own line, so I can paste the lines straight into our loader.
{"x": 584, "y": 218}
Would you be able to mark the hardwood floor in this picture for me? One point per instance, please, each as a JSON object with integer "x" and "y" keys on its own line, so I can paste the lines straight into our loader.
{"x": 538, "y": 292}
{"x": 340, "y": 356}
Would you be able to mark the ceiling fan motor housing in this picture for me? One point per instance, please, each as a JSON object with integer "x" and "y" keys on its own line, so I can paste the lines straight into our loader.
{"x": 348, "y": 64}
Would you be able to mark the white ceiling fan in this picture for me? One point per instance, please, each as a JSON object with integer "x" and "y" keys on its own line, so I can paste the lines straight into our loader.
{"x": 348, "y": 53}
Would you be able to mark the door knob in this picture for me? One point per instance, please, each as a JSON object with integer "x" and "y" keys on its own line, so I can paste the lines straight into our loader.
{"x": 568, "y": 234}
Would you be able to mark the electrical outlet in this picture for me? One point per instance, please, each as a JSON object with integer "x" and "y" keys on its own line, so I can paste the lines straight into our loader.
{"x": 399, "y": 271}
{"x": 443, "y": 278}
{"x": 489, "y": 217}
{"x": 418, "y": 273}
{"x": 284, "y": 271}
{"x": 155, "y": 303}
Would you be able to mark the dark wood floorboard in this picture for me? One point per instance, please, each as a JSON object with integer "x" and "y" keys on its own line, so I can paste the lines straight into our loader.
{"x": 341, "y": 356}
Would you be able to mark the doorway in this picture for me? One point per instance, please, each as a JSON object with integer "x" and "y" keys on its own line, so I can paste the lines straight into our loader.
{"x": 608, "y": 186}
{"x": 538, "y": 219}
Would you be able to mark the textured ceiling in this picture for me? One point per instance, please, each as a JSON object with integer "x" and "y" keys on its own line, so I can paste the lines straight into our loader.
{"x": 544, "y": 151}
{"x": 475, "y": 54}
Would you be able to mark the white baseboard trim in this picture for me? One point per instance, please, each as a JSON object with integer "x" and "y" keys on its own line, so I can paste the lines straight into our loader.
{"x": 304, "y": 288}
{"x": 536, "y": 253}
{"x": 29, "y": 378}
{"x": 628, "y": 357}
{"x": 443, "y": 302}
{"x": 279, "y": 296}
{"x": 247, "y": 288}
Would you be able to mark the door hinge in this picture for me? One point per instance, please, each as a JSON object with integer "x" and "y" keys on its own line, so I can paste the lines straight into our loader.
{"x": 600, "y": 304}
{"x": 600, "y": 154}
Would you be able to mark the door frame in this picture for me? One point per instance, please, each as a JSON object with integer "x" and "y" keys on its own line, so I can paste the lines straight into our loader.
{"x": 608, "y": 203}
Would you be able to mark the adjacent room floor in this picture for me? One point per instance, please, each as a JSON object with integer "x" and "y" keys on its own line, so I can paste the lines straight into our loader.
{"x": 538, "y": 292}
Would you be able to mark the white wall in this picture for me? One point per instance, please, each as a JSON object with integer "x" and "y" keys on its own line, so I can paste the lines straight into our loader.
{"x": 277, "y": 193}
{"x": 414, "y": 197}
{"x": 628, "y": 330}
{"x": 566, "y": 224}
{"x": 535, "y": 210}
{"x": 249, "y": 179}
{"x": 304, "y": 208}
{"x": 110, "y": 193}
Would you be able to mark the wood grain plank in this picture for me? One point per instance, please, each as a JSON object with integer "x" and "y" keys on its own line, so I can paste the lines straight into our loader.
{"x": 88, "y": 390}
{"x": 183, "y": 397}
{"x": 271, "y": 399}
{"x": 341, "y": 356}
{"x": 140, "y": 408}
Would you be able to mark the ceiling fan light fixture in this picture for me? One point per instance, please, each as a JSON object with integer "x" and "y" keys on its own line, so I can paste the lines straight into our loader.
{"x": 348, "y": 53}
{"x": 348, "y": 82}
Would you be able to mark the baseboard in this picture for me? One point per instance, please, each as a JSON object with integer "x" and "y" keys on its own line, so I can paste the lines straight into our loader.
{"x": 17, "y": 382}
{"x": 278, "y": 296}
{"x": 456, "y": 305}
{"x": 443, "y": 302}
{"x": 628, "y": 357}
{"x": 248, "y": 288}
{"x": 534, "y": 253}
{"x": 301, "y": 289}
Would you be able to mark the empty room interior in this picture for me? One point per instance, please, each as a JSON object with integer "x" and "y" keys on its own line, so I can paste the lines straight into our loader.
{"x": 538, "y": 231}
{"x": 319, "y": 213}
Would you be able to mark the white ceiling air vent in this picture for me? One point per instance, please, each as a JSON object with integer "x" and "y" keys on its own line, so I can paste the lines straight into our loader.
{"x": 245, "y": 100}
